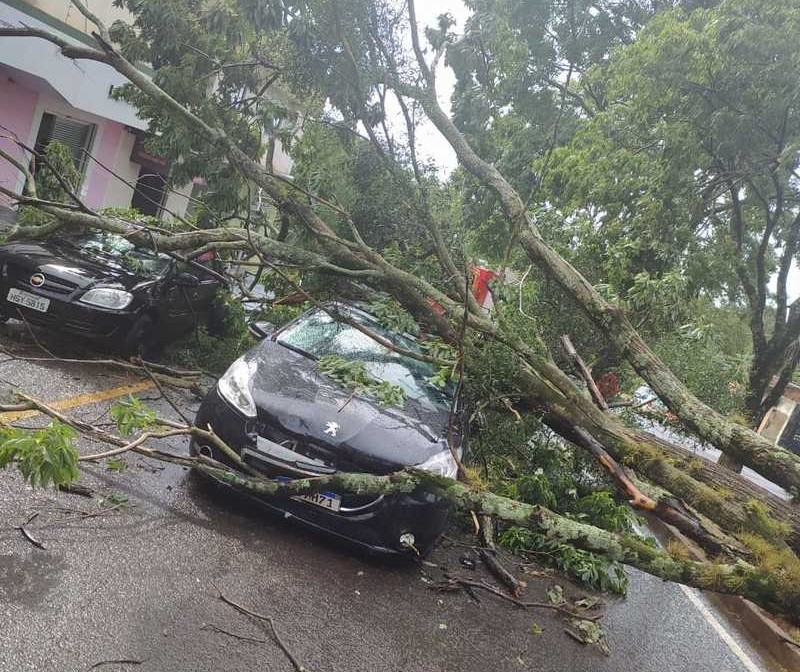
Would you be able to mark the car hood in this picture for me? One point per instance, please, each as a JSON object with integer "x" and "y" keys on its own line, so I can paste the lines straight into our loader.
{"x": 291, "y": 394}
{"x": 63, "y": 261}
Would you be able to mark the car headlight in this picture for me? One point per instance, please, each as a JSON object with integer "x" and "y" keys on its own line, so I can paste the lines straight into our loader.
{"x": 234, "y": 386}
{"x": 441, "y": 464}
{"x": 107, "y": 297}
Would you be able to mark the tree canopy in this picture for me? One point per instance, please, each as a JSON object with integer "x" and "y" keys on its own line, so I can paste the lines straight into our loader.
{"x": 633, "y": 160}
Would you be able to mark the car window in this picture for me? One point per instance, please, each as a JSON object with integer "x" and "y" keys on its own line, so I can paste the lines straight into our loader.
{"x": 116, "y": 250}
{"x": 319, "y": 334}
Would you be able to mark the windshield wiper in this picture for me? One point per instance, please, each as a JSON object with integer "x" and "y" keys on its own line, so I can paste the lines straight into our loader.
{"x": 299, "y": 351}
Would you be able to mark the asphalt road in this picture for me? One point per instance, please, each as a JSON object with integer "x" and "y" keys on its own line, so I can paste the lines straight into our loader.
{"x": 141, "y": 582}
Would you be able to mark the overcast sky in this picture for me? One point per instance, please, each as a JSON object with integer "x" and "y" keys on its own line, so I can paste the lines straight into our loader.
{"x": 430, "y": 141}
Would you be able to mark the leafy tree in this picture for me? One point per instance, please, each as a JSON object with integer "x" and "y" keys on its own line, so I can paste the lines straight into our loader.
{"x": 352, "y": 53}
{"x": 689, "y": 167}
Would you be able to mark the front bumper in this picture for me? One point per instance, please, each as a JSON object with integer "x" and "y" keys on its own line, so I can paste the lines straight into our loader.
{"x": 375, "y": 526}
{"x": 66, "y": 314}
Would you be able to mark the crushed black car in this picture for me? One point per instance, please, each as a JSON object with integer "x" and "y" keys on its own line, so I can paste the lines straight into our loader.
{"x": 288, "y": 420}
{"x": 102, "y": 287}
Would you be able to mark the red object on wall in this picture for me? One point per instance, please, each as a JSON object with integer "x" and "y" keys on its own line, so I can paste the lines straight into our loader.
{"x": 480, "y": 289}
{"x": 481, "y": 277}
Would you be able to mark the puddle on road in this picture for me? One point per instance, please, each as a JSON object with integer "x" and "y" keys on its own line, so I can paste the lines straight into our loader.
{"x": 29, "y": 579}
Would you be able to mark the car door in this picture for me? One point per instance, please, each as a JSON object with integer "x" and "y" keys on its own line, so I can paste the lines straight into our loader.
{"x": 176, "y": 305}
{"x": 204, "y": 294}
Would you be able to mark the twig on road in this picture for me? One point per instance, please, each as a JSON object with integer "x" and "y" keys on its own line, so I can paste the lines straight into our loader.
{"x": 167, "y": 372}
{"x": 120, "y": 661}
{"x": 268, "y": 620}
{"x": 167, "y": 398}
{"x": 488, "y": 554}
{"x": 133, "y": 444}
{"x": 216, "y": 628}
{"x": 452, "y": 583}
{"x": 79, "y": 514}
{"x": 76, "y": 489}
{"x": 33, "y": 336}
{"x": 28, "y": 535}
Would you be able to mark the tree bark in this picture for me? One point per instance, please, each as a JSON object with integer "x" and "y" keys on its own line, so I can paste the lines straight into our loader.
{"x": 763, "y": 393}
{"x": 734, "y": 505}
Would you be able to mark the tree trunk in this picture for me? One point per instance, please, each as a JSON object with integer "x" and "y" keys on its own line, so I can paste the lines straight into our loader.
{"x": 741, "y": 443}
{"x": 762, "y": 393}
{"x": 781, "y": 518}
{"x": 734, "y": 505}
{"x": 774, "y": 585}
{"x": 764, "y": 587}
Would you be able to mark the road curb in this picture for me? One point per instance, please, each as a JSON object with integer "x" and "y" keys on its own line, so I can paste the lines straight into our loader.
{"x": 752, "y": 619}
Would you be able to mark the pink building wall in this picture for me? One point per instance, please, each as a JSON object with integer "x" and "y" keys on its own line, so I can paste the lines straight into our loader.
{"x": 17, "y": 111}
{"x": 106, "y": 146}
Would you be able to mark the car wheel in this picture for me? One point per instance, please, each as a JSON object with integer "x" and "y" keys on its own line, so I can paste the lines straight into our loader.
{"x": 142, "y": 340}
{"x": 217, "y": 323}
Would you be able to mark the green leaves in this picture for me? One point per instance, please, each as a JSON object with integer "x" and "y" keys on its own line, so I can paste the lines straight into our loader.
{"x": 393, "y": 316}
{"x": 132, "y": 415}
{"x": 353, "y": 375}
{"x": 43, "y": 456}
{"x": 589, "y": 632}
{"x": 58, "y": 160}
{"x": 116, "y": 464}
{"x": 436, "y": 347}
{"x": 599, "y": 508}
{"x": 592, "y": 570}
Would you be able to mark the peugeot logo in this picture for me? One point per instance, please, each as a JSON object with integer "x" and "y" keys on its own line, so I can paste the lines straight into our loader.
{"x": 37, "y": 280}
{"x": 331, "y": 428}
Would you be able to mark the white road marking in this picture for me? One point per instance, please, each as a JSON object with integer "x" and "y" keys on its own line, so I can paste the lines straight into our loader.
{"x": 726, "y": 637}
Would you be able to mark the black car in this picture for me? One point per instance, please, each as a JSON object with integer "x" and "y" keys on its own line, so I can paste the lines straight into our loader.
{"x": 289, "y": 420}
{"x": 102, "y": 287}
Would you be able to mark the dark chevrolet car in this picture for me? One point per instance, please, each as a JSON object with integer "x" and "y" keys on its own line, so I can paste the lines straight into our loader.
{"x": 102, "y": 287}
{"x": 288, "y": 420}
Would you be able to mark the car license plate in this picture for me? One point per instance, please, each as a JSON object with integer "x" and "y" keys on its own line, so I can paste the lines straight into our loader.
{"x": 327, "y": 500}
{"x": 28, "y": 300}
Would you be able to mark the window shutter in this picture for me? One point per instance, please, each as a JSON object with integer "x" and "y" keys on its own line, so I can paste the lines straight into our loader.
{"x": 75, "y": 135}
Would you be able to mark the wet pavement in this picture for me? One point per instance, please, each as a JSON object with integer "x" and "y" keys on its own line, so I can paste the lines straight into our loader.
{"x": 140, "y": 583}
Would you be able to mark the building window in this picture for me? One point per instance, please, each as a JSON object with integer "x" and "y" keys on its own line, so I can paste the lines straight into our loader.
{"x": 76, "y": 135}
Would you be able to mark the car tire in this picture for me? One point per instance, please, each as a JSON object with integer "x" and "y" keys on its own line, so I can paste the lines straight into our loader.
{"x": 217, "y": 323}
{"x": 142, "y": 339}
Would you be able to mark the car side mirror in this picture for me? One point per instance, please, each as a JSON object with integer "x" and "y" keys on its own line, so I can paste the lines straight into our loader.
{"x": 186, "y": 280}
{"x": 261, "y": 330}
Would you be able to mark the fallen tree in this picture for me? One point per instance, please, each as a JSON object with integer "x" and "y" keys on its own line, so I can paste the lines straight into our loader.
{"x": 443, "y": 302}
{"x": 769, "y": 586}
